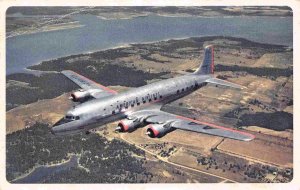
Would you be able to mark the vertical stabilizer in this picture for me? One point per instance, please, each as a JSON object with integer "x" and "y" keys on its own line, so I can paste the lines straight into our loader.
{"x": 207, "y": 65}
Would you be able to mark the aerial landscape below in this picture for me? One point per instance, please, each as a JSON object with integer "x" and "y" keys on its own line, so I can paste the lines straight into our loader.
{"x": 37, "y": 96}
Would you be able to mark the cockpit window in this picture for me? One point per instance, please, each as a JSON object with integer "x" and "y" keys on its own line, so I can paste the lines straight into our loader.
{"x": 72, "y": 117}
{"x": 66, "y": 119}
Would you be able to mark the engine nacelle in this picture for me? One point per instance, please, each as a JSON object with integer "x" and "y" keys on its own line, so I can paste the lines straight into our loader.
{"x": 157, "y": 130}
{"x": 80, "y": 95}
{"x": 128, "y": 125}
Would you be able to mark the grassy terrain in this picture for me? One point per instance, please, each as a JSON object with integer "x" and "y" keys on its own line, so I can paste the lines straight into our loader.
{"x": 278, "y": 121}
{"x": 107, "y": 161}
{"x": 268, "y": 72}
{"x": 99, "y": 160}
{"x": 44, "y": 87}
{"x": 262, "y": 104}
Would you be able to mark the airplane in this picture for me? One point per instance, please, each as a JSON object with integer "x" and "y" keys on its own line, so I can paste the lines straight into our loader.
{"x": 139, "y": 107}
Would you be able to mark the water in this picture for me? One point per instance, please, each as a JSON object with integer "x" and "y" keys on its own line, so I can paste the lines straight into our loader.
{"x": 41, "y": 172}
{"x": 30, "y": 49}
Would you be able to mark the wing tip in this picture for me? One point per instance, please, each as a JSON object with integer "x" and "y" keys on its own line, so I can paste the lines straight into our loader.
{"x": 249, "y": 137}
{"x": 244, "y": 87}
{"x": 66, "y": 71}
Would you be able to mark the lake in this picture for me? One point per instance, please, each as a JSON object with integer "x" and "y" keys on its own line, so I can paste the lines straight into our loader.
{"x": 98, "y": 34}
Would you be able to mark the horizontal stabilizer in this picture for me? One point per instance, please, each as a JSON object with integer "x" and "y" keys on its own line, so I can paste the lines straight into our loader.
{"x": 224, "y": 83}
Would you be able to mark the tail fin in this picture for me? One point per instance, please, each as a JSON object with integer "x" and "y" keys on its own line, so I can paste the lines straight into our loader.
{"x": 207, "y": 66}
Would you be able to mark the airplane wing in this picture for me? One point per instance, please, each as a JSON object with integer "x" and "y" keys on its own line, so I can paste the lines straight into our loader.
{"x": 184, "y": 123}
{"x": 97, "y": 90}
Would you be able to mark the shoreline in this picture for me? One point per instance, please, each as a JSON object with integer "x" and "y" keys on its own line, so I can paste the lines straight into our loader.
{"x": 30, "y": 71}
{"x": 90, "y": 52}
{"x": 170, "y": 15}
{"x": 36, "y": 72}
{"x": 122, "y": 18}
{"x": 134, "y": 43}
{"x": 49, "y": 28}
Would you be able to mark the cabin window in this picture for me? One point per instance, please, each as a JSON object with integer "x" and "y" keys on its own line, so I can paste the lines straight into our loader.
{"x": 160, "y": 96}
{"x": 144, "y": 101}
{"x": 132, "y": 105}
{"x": 113, "y": 112}
{"x": 182, "y": 90}
{"x": 155, "y": 98}
{"x": 138, "y": 103}
{"x": 77, "y": 117}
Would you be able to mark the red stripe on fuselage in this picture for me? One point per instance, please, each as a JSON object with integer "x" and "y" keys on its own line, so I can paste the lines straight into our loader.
{"x": 101, "y": 86}
{"x": 216, "y": 126}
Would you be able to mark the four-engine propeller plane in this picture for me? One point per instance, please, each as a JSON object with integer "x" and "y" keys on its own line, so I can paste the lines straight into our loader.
{"x": 142, "y": 106}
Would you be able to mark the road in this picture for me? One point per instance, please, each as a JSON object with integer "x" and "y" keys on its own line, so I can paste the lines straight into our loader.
{"x": 175, "y": 164}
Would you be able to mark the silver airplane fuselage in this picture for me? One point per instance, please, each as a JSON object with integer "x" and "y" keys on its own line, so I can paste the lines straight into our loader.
{"x": 142, "y": 106}
{"x": 98, "y": 112}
